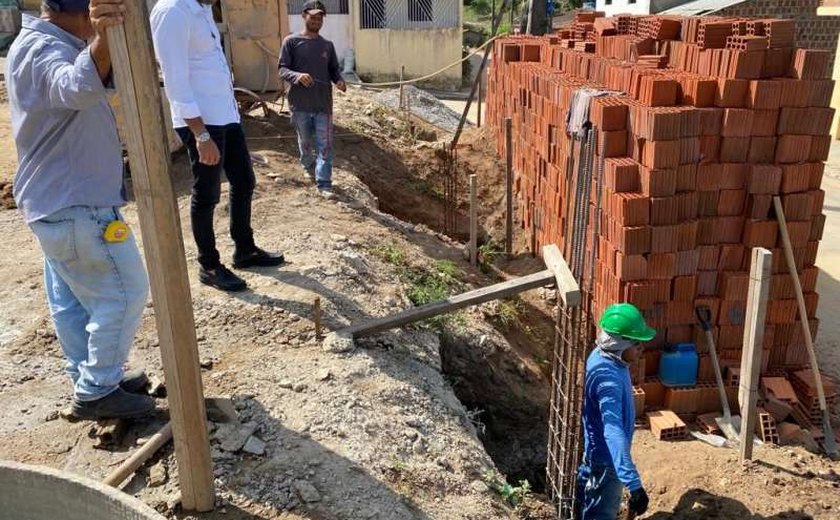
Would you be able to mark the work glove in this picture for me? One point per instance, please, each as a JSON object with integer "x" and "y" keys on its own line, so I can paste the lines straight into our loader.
{"x": 638, "y": 502}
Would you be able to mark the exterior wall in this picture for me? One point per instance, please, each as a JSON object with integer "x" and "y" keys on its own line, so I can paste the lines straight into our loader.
{"x": 381, "y": 52}
{"x": 812, "y": 31}
{"x": 657, "y": 6}
{"x": 623, "y": 7}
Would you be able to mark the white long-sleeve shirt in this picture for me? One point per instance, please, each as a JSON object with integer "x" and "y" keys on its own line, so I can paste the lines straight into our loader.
{"x": 196, "y": 75}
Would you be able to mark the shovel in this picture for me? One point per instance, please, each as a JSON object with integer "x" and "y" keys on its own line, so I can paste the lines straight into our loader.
{"x": 829, "y": 444}
{"x": 704, "y": 316}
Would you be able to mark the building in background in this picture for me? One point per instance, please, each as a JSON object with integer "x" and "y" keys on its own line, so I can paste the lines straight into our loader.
{"x": 382, "y": 36}
{"x": 814, "y": 30}
{"x": 817, "y": 22}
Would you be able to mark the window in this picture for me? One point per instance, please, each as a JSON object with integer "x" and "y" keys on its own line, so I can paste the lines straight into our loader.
{"x": 631, "y": 1}
{"x": 420, "y": 10}
{"x": 608, "y": 2}
{"x": 372, "y": 14}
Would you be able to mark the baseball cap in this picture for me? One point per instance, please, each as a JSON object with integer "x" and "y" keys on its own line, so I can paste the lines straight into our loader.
{"x": 68, "y": 6}
{"x": 314, "y": 7}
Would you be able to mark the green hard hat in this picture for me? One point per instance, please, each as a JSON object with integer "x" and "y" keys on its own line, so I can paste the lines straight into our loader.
{"x": 625, "y": 320}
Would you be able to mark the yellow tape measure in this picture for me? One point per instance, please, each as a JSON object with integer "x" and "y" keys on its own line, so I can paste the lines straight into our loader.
{"x": 117, "y": 231}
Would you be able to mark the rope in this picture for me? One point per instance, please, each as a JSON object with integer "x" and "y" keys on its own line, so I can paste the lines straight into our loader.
{"x": 269, "y": 52}
{"x": 433, "y": 74}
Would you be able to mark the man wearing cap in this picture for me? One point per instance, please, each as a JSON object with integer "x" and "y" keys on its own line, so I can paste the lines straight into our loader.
{"x": 199, "y": 86}
{"x": 309, "y": 64}
{"x": 69, "y": 187}
{"x": 609, "y": 417}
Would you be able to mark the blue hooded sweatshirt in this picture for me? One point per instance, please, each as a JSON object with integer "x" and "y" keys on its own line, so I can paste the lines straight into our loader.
{"x": 609, "y": 416}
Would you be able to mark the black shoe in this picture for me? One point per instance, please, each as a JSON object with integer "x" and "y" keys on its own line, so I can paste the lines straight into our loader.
{"x": 135, "y": 382}
{"x": 221, "y": 278}
{"x": 119, "y": 404}
{"x": 257, "y": 258}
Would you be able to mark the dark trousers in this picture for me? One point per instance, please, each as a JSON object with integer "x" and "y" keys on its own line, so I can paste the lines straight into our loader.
{"x": 207, "y": 189}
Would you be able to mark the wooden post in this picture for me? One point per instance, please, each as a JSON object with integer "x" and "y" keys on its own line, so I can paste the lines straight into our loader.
{"x": 473, "y": 219}
{"x": 402, "y": 87}
{"x": 316, "y": 317}
{"x": 533, "y": 229}
{"x": 530, "y": 20}
{"x": 509, "y": 186}
{"x": 139, "y": 92}
{"x": 759, "y": 293}
{"x": 478, "y": 106}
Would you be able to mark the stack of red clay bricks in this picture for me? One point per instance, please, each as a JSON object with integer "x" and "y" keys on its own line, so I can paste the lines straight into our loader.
{"x": 693, "y": 155}
{"x": 806, "y": 408}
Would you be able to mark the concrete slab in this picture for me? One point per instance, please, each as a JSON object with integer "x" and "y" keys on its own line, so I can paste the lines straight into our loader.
{"x": 828, "y": 260}
{"x": 35, "y": 493}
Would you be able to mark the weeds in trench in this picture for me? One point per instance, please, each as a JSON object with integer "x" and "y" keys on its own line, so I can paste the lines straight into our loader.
{"x": 513, "y": 495}
{"x": 426, "y": 285}
{"x": 541, "y": 360}
{"x": 391, "y": 254}
{"x": 489, "y": 252}
{"x": 508, "y": 311}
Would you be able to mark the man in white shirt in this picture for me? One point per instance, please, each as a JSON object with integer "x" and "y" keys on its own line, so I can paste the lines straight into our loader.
{"x": 204, "y": 112}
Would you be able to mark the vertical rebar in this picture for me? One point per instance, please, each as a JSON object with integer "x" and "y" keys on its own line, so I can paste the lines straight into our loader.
{"x": 509, "y": 186}
{"x": 565, "y": 443}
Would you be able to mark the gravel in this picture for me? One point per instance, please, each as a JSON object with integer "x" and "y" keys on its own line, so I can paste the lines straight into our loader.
{"x": 423, "y": 105}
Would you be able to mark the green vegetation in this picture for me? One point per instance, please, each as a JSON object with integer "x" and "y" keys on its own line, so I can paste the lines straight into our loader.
{"x": 489, "y": 252}
{"x": 391, "y": 254}
{"x": 508, "y": 312}
{"x": 425, "y": 285}
{"x": 513, "y": 495}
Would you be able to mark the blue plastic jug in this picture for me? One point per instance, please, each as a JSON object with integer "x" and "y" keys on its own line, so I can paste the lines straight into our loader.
{"x": 678, "y": 365}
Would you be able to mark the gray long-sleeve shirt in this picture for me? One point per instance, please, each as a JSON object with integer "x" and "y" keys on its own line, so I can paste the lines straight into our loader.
{"x": 313, "y": 56}
{"x": 69, "y": 153}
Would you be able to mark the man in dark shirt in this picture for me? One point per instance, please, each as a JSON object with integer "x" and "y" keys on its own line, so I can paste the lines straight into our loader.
{"x": 309, "y": 64}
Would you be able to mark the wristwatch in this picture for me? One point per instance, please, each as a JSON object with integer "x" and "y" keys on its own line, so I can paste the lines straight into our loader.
{"x": 203, "y": 137}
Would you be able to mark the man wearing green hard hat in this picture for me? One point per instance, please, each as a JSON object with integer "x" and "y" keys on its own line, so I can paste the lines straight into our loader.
{"x": 609, "y": 417}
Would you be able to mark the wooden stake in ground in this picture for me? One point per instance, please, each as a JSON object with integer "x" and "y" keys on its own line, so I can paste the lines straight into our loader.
{"x": 402, "y": 88}
{"x": 316, "y": 316}
{"x": 478, "y": 105}
{"x": 759, "y": 293}
{"x": 533, "y": 229}
{"x": 509, "y": 186}
{"x": 473, "y": 220}
{"x": 830, "y": 444}
{"x": 139, "y": 92}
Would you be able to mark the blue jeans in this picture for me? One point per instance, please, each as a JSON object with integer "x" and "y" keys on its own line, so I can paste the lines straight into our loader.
{"x": 315, "y": 139}
{"x": 599, "y": 492}
{"x": 96, "y": 291}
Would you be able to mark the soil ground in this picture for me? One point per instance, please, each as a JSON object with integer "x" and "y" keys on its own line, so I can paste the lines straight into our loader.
{"x": 412, "y": 424}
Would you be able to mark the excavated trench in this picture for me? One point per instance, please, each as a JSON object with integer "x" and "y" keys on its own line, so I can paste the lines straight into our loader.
{"x": 506, "y": 387}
